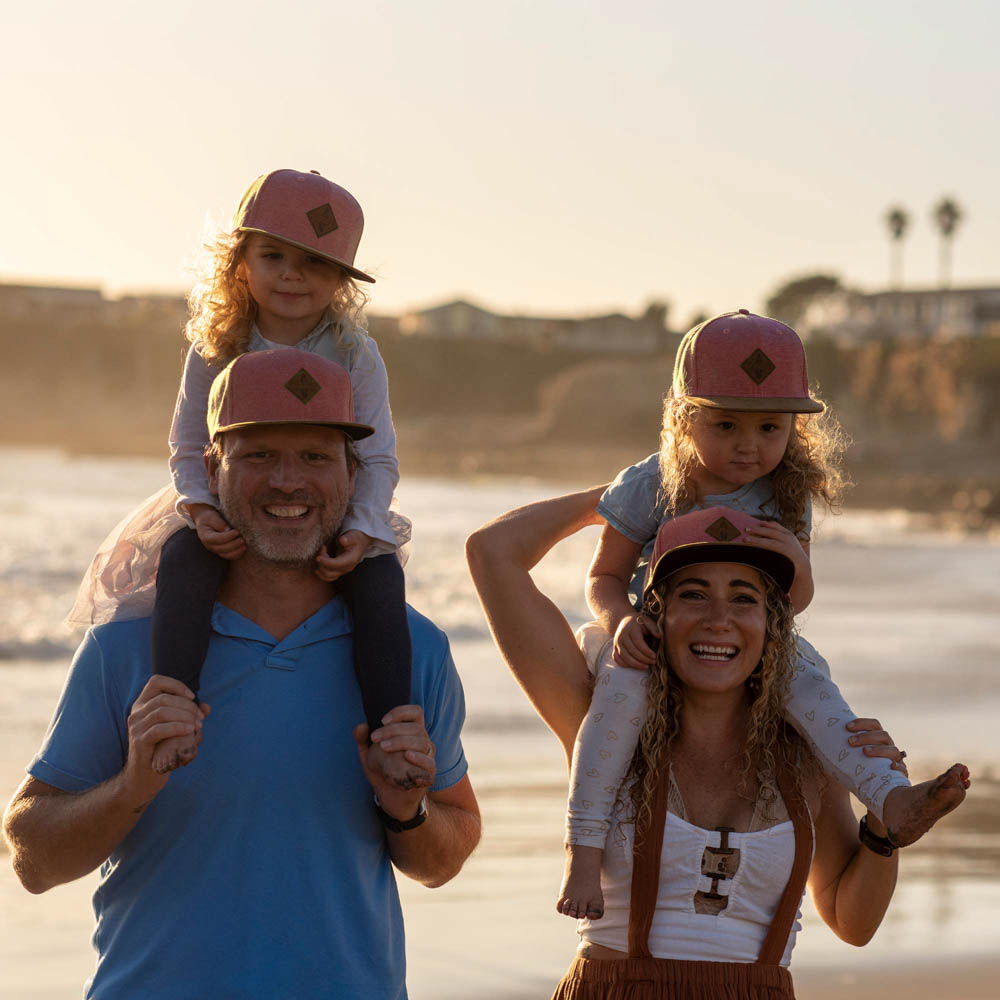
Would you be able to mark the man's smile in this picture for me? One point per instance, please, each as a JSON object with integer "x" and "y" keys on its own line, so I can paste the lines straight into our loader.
{"x": 286, "y": 511}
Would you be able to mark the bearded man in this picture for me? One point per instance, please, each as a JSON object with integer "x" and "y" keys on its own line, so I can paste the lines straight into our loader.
{"x": 265, "y": 868}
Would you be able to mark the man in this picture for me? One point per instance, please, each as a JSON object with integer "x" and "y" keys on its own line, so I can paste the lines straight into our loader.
{"x": 263, "y": 869}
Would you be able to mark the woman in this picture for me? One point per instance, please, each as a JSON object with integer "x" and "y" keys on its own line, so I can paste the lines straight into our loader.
{"x": 724, "y": 814}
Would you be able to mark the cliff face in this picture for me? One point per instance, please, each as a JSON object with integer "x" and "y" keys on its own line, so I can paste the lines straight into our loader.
{"x": 924, "y": 417}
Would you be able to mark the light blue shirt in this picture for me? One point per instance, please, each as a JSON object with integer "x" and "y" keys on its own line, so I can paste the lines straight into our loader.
{"x": 261, "y": 869}
{"x": 634, "y": 506}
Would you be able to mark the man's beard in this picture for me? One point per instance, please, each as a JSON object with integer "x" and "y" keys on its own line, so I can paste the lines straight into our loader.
{"x": 290, "y": 546}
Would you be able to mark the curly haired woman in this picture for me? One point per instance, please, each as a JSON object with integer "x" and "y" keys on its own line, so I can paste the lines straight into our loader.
{"x": 724, "y": 814}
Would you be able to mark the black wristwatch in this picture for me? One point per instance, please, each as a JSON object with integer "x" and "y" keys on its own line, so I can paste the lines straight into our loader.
{"x": 882, "y": 846}
{"x": 400, "y": 825}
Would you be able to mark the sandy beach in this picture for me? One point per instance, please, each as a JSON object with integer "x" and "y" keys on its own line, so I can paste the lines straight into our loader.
{"x": 493, "y": 932}
{"x": 496, "y": 923}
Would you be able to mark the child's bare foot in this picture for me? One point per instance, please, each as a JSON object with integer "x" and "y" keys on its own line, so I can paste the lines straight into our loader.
{"x": 581, "y": 895}
{"x": 908, "y": 813}
{"x": 397, "y": 768}
{"x": 170, "y": 754}
{"x": 179, "y": 751}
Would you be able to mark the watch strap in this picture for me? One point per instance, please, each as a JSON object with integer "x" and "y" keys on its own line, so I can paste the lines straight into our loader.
{"x": 400, "y": 825}
{"x": 879, "y": 845}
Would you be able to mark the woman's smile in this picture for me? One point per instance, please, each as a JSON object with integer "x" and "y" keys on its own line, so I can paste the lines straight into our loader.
{"x": 720, "y": 654}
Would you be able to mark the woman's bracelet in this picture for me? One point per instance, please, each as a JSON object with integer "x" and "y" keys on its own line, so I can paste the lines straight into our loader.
{"x": 879, "y": 845}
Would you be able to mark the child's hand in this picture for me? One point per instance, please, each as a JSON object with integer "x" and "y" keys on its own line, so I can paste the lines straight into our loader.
{"x": 352, "y": 545}
{"x": 215, "y": 533}
{"x": 774, "y": 536}
{"x": 631, "y": 646}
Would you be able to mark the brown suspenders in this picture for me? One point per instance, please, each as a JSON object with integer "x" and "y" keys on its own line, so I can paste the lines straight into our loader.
{"x": 646, "y": 869}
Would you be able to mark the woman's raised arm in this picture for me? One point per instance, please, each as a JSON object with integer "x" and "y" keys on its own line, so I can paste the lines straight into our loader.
{"x": 531, "y": 632}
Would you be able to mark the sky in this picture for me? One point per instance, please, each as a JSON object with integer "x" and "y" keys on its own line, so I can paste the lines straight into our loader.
{"x": 544, "y": 157}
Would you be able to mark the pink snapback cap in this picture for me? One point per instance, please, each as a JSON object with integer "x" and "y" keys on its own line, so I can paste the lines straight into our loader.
{"x": 307, "y": 211}
{"x": 283, "y": 386}
{"x": 717, "y": 534}
{"x": 740, "y": 361}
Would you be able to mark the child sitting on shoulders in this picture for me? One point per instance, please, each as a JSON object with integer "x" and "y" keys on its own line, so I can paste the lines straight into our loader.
{"x": 740, "y": 430}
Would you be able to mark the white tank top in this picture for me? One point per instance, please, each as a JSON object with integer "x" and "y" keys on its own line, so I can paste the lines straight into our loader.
{"x": 690, "y": 923}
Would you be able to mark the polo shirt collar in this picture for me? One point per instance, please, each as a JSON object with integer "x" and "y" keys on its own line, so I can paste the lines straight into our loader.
{"x": 328, "y": 622}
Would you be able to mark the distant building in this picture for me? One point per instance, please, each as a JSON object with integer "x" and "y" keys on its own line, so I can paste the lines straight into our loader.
{"x": 457, "y": 319}
{"x": 17, "y": 301}
{"x": 614, "y": 333}
{"x": 75, "y": 306}
{"x": 917, "y": 314}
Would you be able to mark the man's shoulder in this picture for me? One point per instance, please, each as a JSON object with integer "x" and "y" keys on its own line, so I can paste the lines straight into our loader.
{"x": 121, "y": 635}
{"x": 427, "y": 638}
{"x": 118, "y": 650}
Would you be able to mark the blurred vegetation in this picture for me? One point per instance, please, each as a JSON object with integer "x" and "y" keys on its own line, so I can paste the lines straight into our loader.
{"x": 790, "y": 301}
{"x": 923, "y": 416}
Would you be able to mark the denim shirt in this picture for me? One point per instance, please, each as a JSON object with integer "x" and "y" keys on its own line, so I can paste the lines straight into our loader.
{"x": 379, "y": 473}
{"x": 634, "y": 506}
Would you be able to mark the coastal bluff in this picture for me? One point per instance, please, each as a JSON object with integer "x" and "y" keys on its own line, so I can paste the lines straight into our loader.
{"x": 923, "y": 416}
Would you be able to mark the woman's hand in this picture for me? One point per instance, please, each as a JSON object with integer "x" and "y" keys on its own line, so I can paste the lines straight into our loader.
{"x": 215, "y": 533}
{"x": 352, "y": 545}
{"x": 876, "y": 742}
{"x": 632, "y": 646}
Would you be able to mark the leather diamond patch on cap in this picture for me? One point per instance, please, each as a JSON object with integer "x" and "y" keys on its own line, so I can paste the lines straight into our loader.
{"x": 758, "y": 366}
{"x": 723, "y": 530}
{"x": 322, "y": 219}
{"x": 303, "y": 386}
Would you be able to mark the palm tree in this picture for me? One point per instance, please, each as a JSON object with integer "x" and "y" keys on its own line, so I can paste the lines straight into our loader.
{"x": 947, "y": 215}
{"x": 898, "y": 220}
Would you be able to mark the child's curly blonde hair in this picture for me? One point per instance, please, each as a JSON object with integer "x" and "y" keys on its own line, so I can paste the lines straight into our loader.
{"x": 811, "y": 468}
{"x": 223, "y": 311}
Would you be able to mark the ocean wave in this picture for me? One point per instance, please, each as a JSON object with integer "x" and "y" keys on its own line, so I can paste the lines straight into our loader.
{"x": 41, "y": 648}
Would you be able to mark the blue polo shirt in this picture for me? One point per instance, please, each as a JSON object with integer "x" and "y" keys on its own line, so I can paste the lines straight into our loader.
{"x": 261, "y": 869}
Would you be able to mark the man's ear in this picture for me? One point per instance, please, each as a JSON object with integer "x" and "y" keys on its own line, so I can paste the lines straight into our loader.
{"x": 212, "y": 468}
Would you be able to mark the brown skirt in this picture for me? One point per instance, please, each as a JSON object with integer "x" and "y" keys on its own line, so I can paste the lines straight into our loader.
{"x": 672, "y": 979}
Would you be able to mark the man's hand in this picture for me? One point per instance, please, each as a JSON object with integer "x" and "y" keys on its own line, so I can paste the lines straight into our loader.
{"x": 632, "y": 642}
{"x": 351, "y": 547}
{"x": 403, "y": 730}
{"x": 57, "y": 836}
{"x": 215, "y": 533}
{"x": 165, "y": 709}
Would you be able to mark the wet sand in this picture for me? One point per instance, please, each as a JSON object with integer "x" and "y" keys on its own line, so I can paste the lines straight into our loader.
{"x": 495, "y": 926}
{"x": 493, "y": 932}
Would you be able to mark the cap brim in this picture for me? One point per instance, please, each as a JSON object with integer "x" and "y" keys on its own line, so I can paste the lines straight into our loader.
{"x": 778, "y": 567}
{"x": 356, "y": 432}
{"x": 349, "y": 268}
{"x": 755, "y": 404}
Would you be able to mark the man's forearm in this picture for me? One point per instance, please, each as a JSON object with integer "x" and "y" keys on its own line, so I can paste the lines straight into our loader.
{"x": 434, "y": 852}
{"x": 56, "y": 837}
